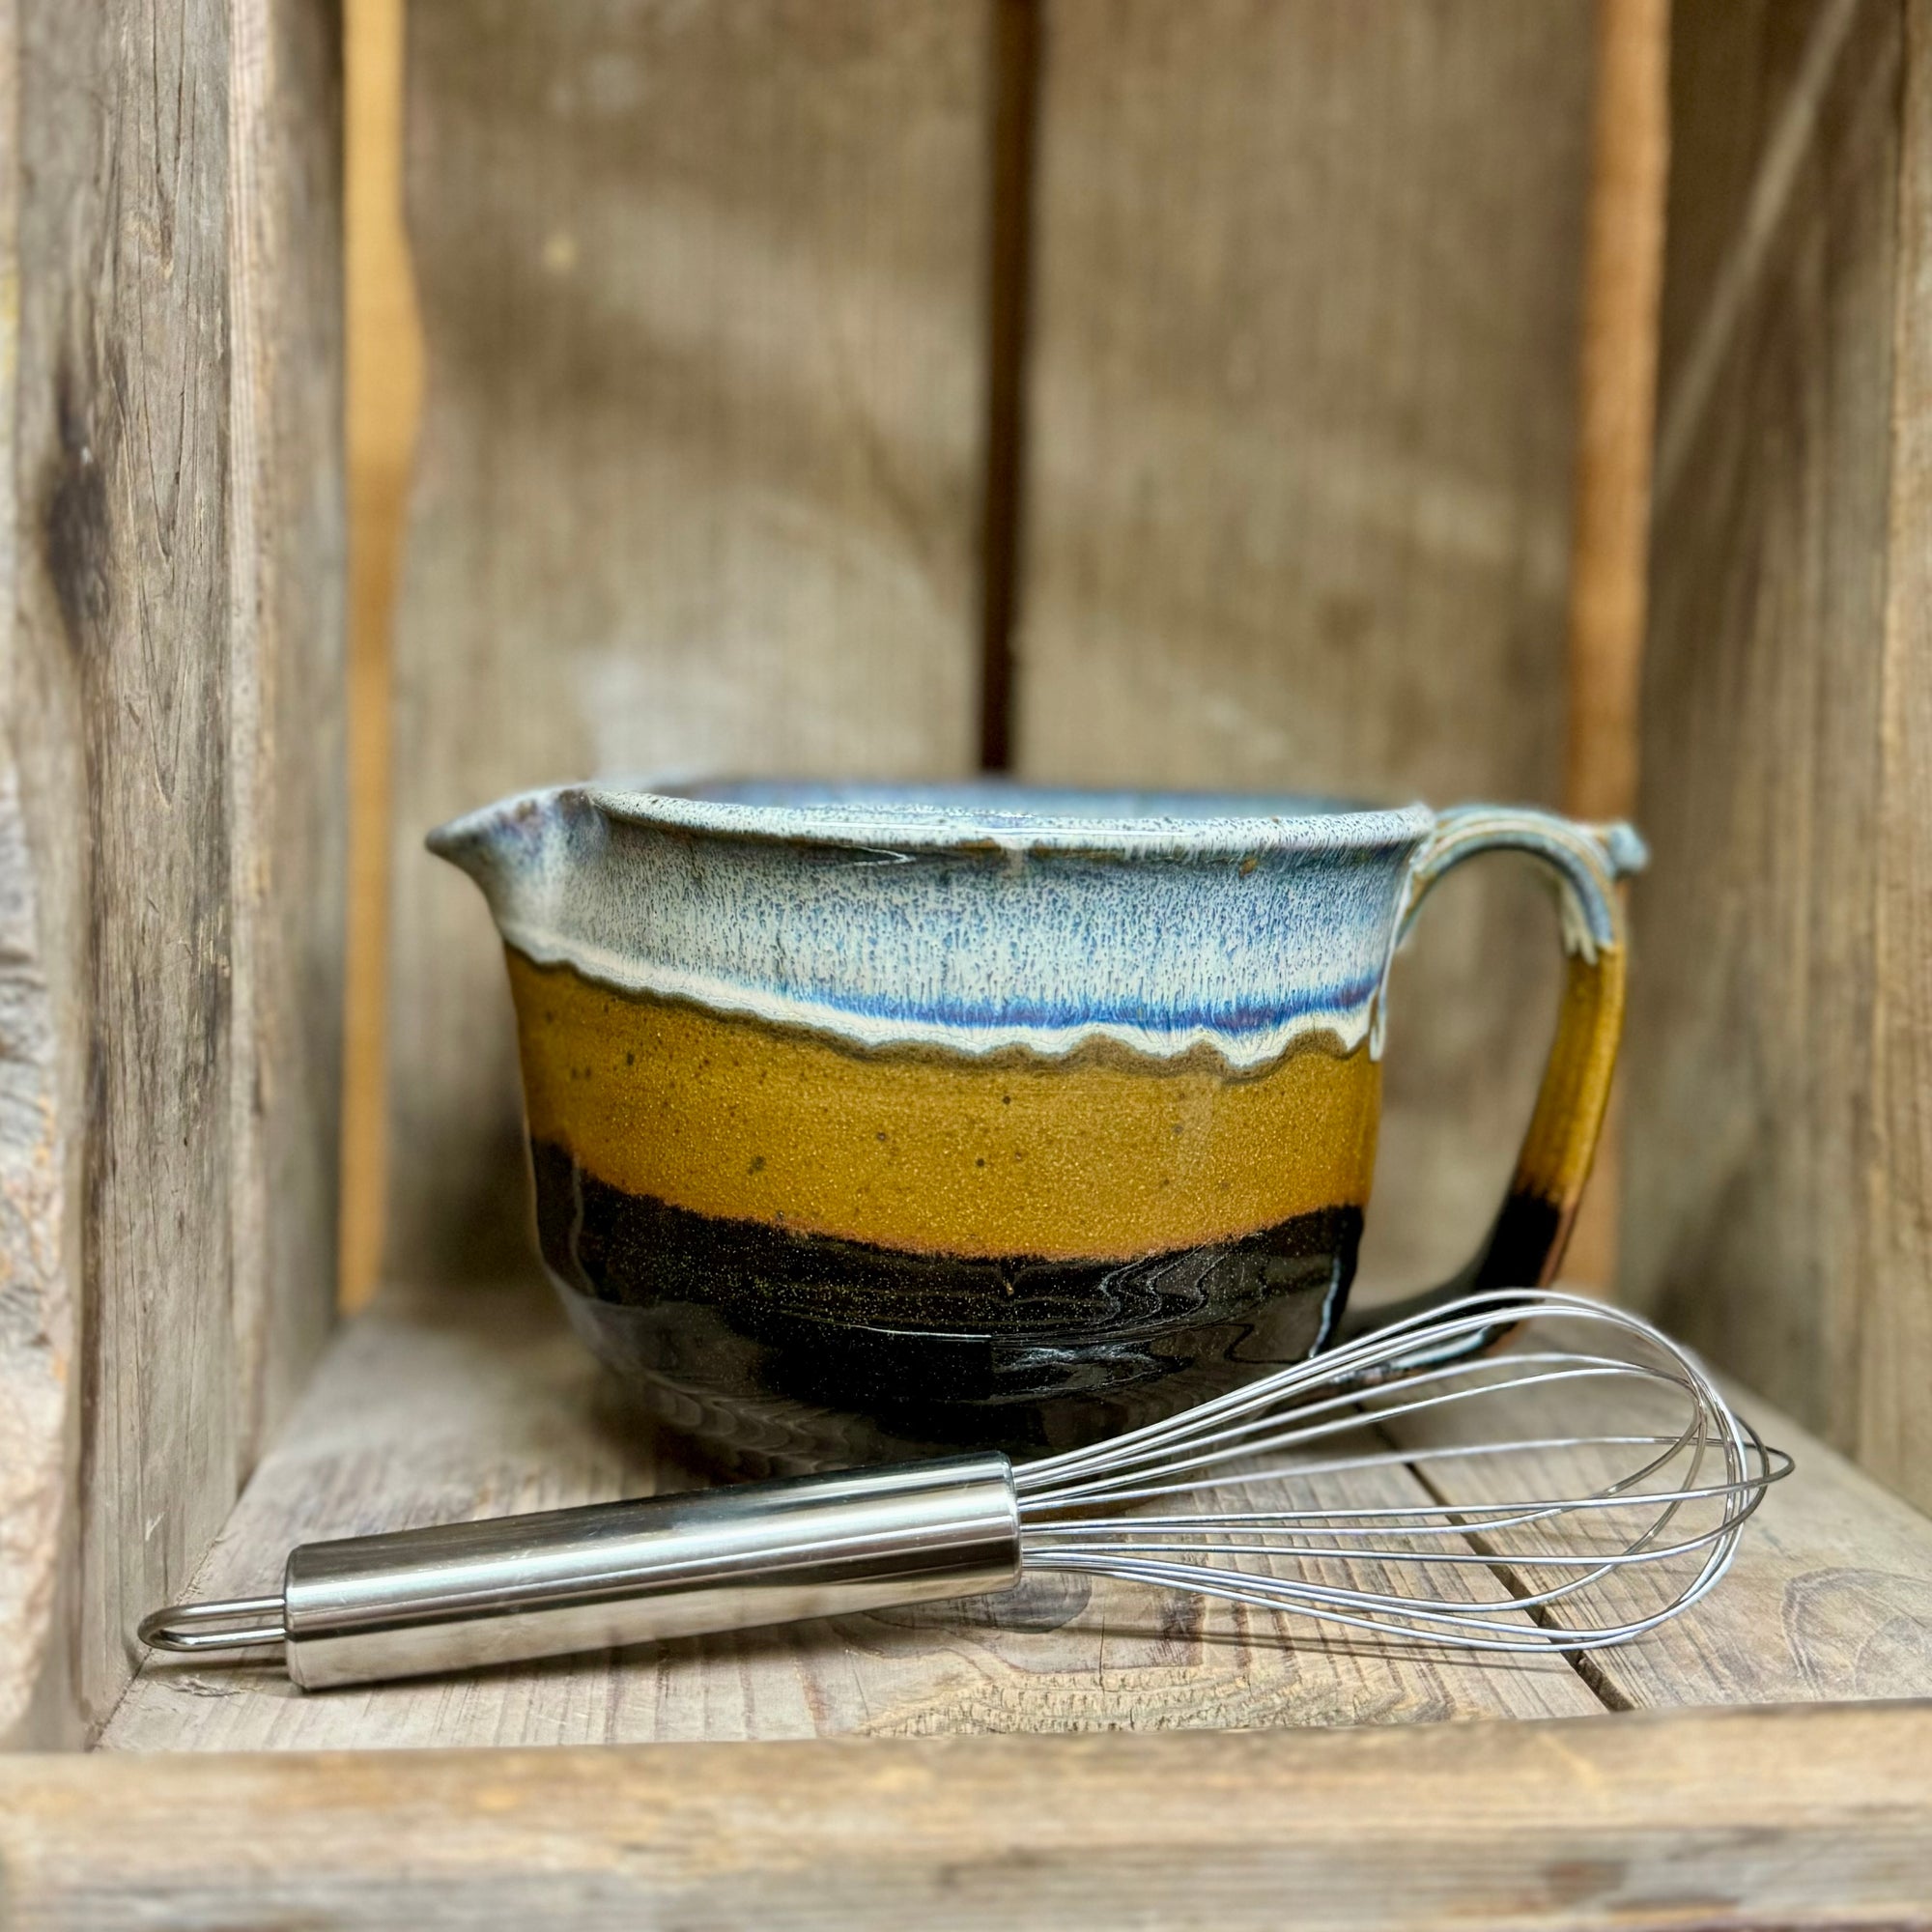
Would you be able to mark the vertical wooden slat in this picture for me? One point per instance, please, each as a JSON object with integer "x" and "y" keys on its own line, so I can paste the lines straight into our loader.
{"x": 703, "y": 297}
{"x": 1891, "y": 1420}
{"x": 1016, "y": 106}
{"x": 171, "y": 706}
{"x": 286, "y": 399}
{"x": 1616, "y": 405}
{"x": 39, "y": 1295}
{"x": 125, "y": 465}
{"x": 384, "y": 376}
{"x": 1609, "y": 541}
{"x": 1301, "y": 442}
{"x": 1773, "y": 1172}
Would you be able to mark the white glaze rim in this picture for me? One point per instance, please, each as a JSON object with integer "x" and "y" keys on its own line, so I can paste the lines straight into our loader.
{"x": 1346, "y": 1027}
{"x": 857, "y": 822}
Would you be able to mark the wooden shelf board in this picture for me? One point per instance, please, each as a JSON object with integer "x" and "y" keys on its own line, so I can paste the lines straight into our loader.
{"x": 1811, "y": 1817}
{"x": 439, "y": 1405}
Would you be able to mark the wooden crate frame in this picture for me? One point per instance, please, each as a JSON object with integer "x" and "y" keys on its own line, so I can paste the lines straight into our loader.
{"x": 173, "y": 685}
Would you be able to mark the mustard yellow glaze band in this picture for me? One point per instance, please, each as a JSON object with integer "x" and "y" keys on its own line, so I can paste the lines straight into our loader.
{"x": 1100, "y": 1156}
{"x": 1562, "y": 1138}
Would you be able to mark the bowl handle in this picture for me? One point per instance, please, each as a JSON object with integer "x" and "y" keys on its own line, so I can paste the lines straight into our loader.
{"x": 1525, "y": 1244}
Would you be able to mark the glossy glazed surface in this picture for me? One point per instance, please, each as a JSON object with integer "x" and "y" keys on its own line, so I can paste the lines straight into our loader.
{"x": 783, "y": 1350}
{"x": 861, "y": 1122}
{"x": 883, "y": 917}
{"x": 1099, "y": 1155}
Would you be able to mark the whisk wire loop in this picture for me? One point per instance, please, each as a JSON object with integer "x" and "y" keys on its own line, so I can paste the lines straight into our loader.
{"x": 1547, "y": 1553}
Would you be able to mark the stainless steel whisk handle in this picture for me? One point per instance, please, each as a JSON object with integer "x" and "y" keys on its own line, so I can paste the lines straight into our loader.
{"x": 462, "y": 1595}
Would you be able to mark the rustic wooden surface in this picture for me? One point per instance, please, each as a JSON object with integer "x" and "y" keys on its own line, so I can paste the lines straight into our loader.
{"x": 1817, "y": 1818}
{"x": 37, "y": 1290}
{"x": 1244, "y": 510}
{"x": 1300, "y": 435}
{"x": 1616, "y": 394}
{"x": 440, "y": 1406}
{"x": 1609, "y": 539}
{"x": 445, "y": 1405}
{"x": 1890, "y": 1425}
{"x": 1830, "y": 1595}
{"x": 700, "y": 460}
{"x": 1776, "y": 1210}
{"x": 286, "y": 835}
{"x": 172, "y": 984}
{"x": 383, "y": 358}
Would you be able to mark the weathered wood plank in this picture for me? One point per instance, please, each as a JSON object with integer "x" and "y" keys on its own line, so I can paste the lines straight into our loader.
{"x": 1891, "y": 1422}
{"x": 1821, "y": 1818}
{"x": 37, "y": 1287}
{"x": 437, "y": 1406}
{"x": 1775, "y": 1209}
{"x": 1830, "y": 1595}
{"x": 122, "y": 720}
{"x": 288, "y": 809}
{"x": 383, "y": 357}
{"x": 170, "y": 672}
{"x": 452, "y": 1404}
{"x": 1616, "y": 405}
{"x": 1302, "y": 412}
{"x": 699, "y": 471}
{"x": 1610, "y": 547}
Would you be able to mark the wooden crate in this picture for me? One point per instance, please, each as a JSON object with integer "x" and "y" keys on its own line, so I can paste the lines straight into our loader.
{"x": 1110, "y": 389}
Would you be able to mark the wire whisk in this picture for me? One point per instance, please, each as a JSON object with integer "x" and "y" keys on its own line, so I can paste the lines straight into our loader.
{"x": 1377, "y": 1487}
{"x": 1670, "y": 1500}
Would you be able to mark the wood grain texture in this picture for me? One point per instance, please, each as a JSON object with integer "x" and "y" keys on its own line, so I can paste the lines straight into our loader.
{"x": 1300, "y": 429}
{"x": 288, "y": 808}
{"x": 1816, "y": 1818}
{"x": 1891, "y": 1425}
{"x": 1616, "y": 405}
{"x": 1830, "y": 1595}
{"x": 440, "y": 1406}
{"x": 38, "y": 1291}
{"x": 699, "y": 471}
{"x": 1609, "y": 548}
{"x": 383, "y": 357}
{"x": 1012, "y": 170}
{"x": 1775, "y": 1206}
{"x": 447, "y": 1405}
{"x": 170, "y": 699}
{"x": 125, "y": 687}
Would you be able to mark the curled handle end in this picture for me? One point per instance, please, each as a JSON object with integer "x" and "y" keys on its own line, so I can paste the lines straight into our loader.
{"x": 190, "y": 1629}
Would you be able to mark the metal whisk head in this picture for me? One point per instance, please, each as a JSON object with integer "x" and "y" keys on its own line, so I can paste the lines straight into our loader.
{"x": 1597, "y": 1536}
{"x": 1406, "y": 1484}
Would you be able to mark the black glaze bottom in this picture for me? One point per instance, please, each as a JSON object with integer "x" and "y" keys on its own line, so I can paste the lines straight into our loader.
{"x": 1526, "y": 1245}
{"x": 779, "y": 1350}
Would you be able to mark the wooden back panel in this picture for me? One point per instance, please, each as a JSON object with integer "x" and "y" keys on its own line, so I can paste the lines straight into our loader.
{"x": 1297, "y": 503}
{"x": 711, "y": 331}
{"x": 700, "y": 298}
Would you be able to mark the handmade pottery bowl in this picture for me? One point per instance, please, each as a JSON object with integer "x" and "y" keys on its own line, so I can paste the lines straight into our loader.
{"x": 868, "y": 1118}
